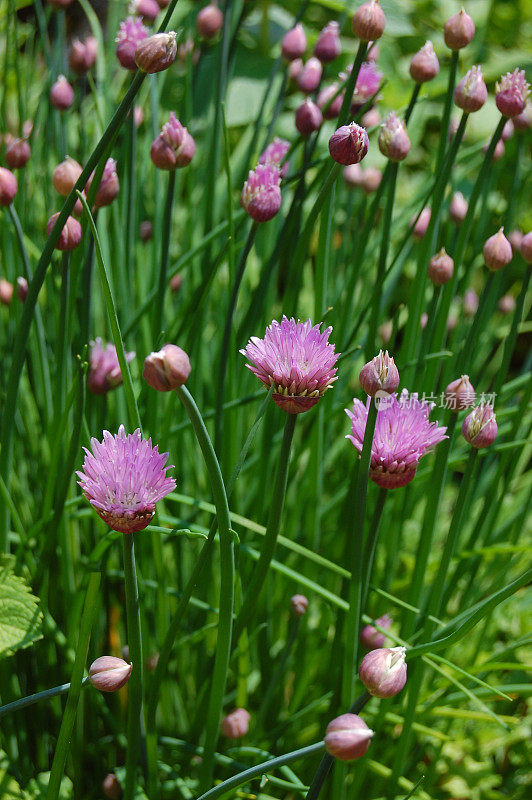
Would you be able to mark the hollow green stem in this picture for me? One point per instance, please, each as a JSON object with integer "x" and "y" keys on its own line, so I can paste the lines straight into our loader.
{"x": 447, "y": 108}
{"x": 158, "y": 306}
{"x": 134, "y": 641}
{"x": 31, "y": 699}
{"x": 343, "y": 116}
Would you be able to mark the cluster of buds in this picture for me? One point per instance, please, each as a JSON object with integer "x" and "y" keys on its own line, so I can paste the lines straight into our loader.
{"x": 174, "y": 147}
{"x": 209, "y": 21}
{"x": 379, "y": 375}
{"x": 369, "y": 21}
{"x": 236, "y": 724}
{"x": 479, "y": 428}
{"x": 61, "y": 94}
{"x": 166, "y": 369}
{"x": 383, "y": 671}
{"x": 349, "y": 144}
{"x": 394, "y": 142}
{"x": 71, "y": 234}
{"x": 471, "y": 92}
{"x": 497, "y": 251}
{"x": 460, "y": 394}
{"x": 261, "y": 193}
{"x": 109, "y": 674}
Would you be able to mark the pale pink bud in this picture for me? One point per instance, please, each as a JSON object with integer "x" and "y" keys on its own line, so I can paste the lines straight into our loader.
{"x": 166, "y": 369}
{"x": 147, "y": 9}
{"x": 82, "y": 55}
{"x": 146, "y": 230}
{"x": 383, "y": 671}
{"x": 299, "y": 605}
{"x": 8, "y": 187}
{"x": 371, "y": 180}
{"x": 471, "y": 92}
{"x": 441, "y": 268}
{"x": 308, "y": 118}
{"x": 209, "y": 21}
{"x": 371, "y": 118}
{"x": 22, "y": 289}
{"x": 109, "y": 185}
{"x": 371, "y": 638}
{"x": 424, "y": 318}
{"x": 470, "y": 303}
{"x": 369, "y": 21}
{"x": 294, "y": 43}
{"x": 236, "y": 724}
{"x": 373, "y": 53}
{"x": 507, "y": 304}
{"x": 109, "y": 674}
{"x": 151, "y": 662}
{"x": 187, "y": 49}
{"x": 27, "y": 128}
{"x": 420, "y": 227}
{"x": 18, "y": 154}
{"x": 385, "y": 331}
{"x": 458, "y": 31}
{"x": 523, "y": 120}
{"x": 130, "y": 34}
{"x": 157, "y": 52}
{"x": 310, "y": 76}
{"x": 507, "y": 131}
{"x": 138, "y": 116}
{"x": 458, "y": 208}
{"x": 61, "y": 94}
{"x": 349, "y": 144}
{"x": 460, "y": 394}
{"x": 394, "y": 142}
{"x": 6, "y": 292}
{"x": 497, "y": 251}
{"x": 334, "y": 106}
{"x": 452, "y": 322}
{"x": 424, "y": 65}
{"x": 328, "y": 46}
{"x": 526, "y": 247}
{"x": 479, "y": 428}
{"x": 379, "y": 375}
{"x": 70, "y": 236}
{"x": 498, "y": 152}
{"x": 295, "y": 68}
{"x": 511, "y": 93}
{"x": 261, "y": 193}
{"x": 111, "y": 787}
{"x": 515, "y": 238}
{"x": 352, "y": 175}
{"x": 66, "y": 175}
{"x": 347, "y": 737}
{"x": 176, "y": 281}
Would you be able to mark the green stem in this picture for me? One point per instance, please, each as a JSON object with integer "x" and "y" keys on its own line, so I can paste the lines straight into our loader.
{"x": 343, "y": 116}
{"x": 130, "y": 202}
{"x": 31, "y": 699}
{"x": 158, "y": 306}
{"x": 134, "y": 641}
{"x": 446, "y": 117}
{"x": 371, "y": 544}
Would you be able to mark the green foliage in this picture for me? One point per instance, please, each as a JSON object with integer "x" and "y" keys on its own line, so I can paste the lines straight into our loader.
{"x": 20, "y": 616}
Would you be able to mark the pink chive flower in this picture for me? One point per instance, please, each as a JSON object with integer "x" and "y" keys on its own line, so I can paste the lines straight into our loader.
{"x": 104, "y": 370}
{"x": 367, "y": 85}
{"x": 123, "y": 478}
{"x": 511, "y": 93}
{"x": 295, "y": 358}
{"x": 130, "y": 34}
{"x": 403, "y": 434}
{"x": 275, "y": 153}
{"x": 261, "y": 193}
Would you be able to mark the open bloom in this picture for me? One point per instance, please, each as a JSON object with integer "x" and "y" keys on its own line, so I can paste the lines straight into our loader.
{"x": 295, "y": 358}
{"x": 261, "y": 193}
{"x": 403, "y": 434}
{"x": 123, "y": 478}
{"x": 104, "y": 372}
{"x": 130, "y": 34}
{"x": 512, "y": 93}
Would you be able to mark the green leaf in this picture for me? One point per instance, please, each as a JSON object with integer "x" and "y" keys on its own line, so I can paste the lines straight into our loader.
{"x": 20, "y": 616}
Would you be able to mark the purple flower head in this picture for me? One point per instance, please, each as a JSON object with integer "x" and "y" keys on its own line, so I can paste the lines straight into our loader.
{"x": 511, "y": 93}
{"x": 261, "y": 193}
{"x": 130, "y": 34}
{"x": 403, "y": 434}
{"x": 296, "y": 359}
{"x": 275, "y": 153}
{"x": 123, "y": 478}
{"x": 367, "y": 85}
{"x": 104, "y": 372}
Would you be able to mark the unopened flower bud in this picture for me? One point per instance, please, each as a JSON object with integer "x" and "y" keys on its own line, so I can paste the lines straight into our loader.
{"x": 349, "y": 144}
{"x": 151, "y": 662}
{"x": 157, "y": 52}
{"x": 111, "y": 787}
{"x": 379, "y": 375}
{"x": 8, "y": 187}
{"x": 394, "y": 142}
{"x": 479, "y": 428}
{"x": 109, "y": 674}
{"x": 209, "y": 21}
{"x": 295, "y": 68}
{"x": 373, "y": 53}
{"x": 458, "y": 208}
{"x": 371, "y": 637}
{"x": 371, "y": 118}
{"x": 511, "y": 93}
{"x": 328, "y": 46}
{"x": 526, "y": 247}
{"x": 352, "y": 175}
{"x": 299, "y": 605}
{"x": 18, "y": 154}
{"x": 82, "y": 55}
{"x": 174, "y": 147}
{"x": 166, "y": 369}
{"x": 369, "y": 21}
{"x": 383, "y": 671}
{"x": 515, "y": 238}
{"x": 498, "y": 152}
{"x": 424, "y": 65}
{"x": 176, "y": 281}
{"x": 310, "y": 76}
{"x": 420, "y": 226}
{"x": 236, "y": 724}
{"x": 138, "y": 116}
{"x": 308, "y": 118}
{"x": 460, "y": 394}
{"x": 441, "y": 268}
{"x": 471, "y": 92}
{"x": 61, "y": 94}
{"x": 507, "y": 304}
{"x": 130, "y": 34}
{"x": 523, "y": 120}
{"x": 470, "y": 303}
{"x": 146, "y": 230}
{"x": 508, "y": 130}
{"x": 330, "y": 107}
{"x": 424, "y": 318}
{"x": 261, "y": 193}
{"x": 294, "y": 43}
{"x": 6, "y": 292}
{"x": 147, "y": 9}
{"x": 385, "y": 331}
{"x": 66, "y": 175}
{"x": 347, "y": 737}
{"x": 109, "y": 185}
{"x": 70, "y": 236}
{"x": 497, "y": 251}
{"x": 371, "y": 180}
{"x": 22, "y": 289}
{"x": 458, "y": 31}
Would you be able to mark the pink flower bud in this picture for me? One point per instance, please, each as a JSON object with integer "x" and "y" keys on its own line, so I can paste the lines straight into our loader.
{"x": 420, "y": 227}
{"x": 6, "y": 292}
{"x": 470, "y": 303}
{"x": 369, "y": 21}
{"x": 347, "y": 737}
{"x": 383, "y": 671}
{"x": 295, "y": 68}
{"x": 373, "y": 53}
{"x": 236, "y": 724}
{"x": 66, "y": 175}
{"x": 294, "y": 43}
{"x": 109, "y": 185}
{"x": 18, "y": 154}
{"x": 526, "y": 247}
{"x": 441, "y": 268}
{"x": 209, "y": 21}
{"x": 458, "y": 31}
{"x": 151, "y": 662}
{"x": 479, "y": 428}
{"x": 299, "y": 605}
{"x": 424, "y": 65}
{"x": 511, "y": 93}
{"x": 424, "y": 318}
{"x": 349, "y": 144}
{"x": 111, "y": 787}
{"x": 157, "y": 52}
{"x": 328, "y": 46}
{"x": 130, "y": 34}
{"x": 385, "y": 331}
{"x": 274, "y": 155}
{"x": 8, "y": 187}
{"x": 61, "y": 94}
{"x": 460, "y": 394}
{"x": 22, "y": 289}
{"x": 471, "y": 93}
{"x": 515, "y": 238}
{"x": 507, "y": 304}
{"x": 174, "y": 147}
{"x": 497, "y": 251}
{"x": 394, "y": 142}
{"x": 498, "y": 152}
{"x": 371, "y": 118}
{"x": 146, "y": 230}
{"x": 310, "y": 76}
{"x": 379, "y": 375}
{"x": 330, "y": 107}
{"x": 261, "y": 193}
{"x": 352, "y": 175}
{"x": 176, "y": 281}
{"x": 508, "y": 130}
{"x": 147, "y": 9}
{"x": 138, "y": 116}
{"x": 166, "y": 369}
{"x": 371, "y": 180}
{"x": 523, "y": 120}
{"x": 104, "y": 371}
{"x": 70, "y": 236}
{"x": 82, "y": 56}
{"x": 371, "y": 638}
{"x": 308, "y": 118}
{"x": 109, "y": 674}
{"x": 367, "y": 84}
{"x": 458, "y": 208}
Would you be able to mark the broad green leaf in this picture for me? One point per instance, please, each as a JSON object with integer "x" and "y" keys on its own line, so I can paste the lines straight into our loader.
{"x": 20, "y": 616}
